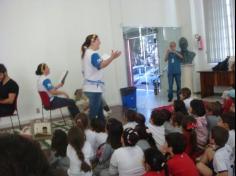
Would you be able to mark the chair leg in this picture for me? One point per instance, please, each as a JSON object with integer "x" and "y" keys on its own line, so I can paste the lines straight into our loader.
{"x": 42, "y": 113}
{"x": 18, "y": 119}
{"x": 12, "y": 124}
{"x": 50, "y": 116}
{"x": 63, "y": 117}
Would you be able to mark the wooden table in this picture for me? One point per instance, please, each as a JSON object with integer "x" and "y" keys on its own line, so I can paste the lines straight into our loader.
{"x": 209, "y": 79}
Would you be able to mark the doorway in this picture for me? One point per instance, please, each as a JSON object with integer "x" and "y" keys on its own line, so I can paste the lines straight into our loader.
{"x": 142, "y": 51}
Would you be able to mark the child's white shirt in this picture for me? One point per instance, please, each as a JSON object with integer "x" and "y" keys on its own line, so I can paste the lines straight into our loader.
{"x": 127, "y": 161}
{"x": 100, "y": 139}
{"x": 222, "y": 161}
{"x": 91, "y": 138}
{"x": 130, "y": 125}
{"x": 158, "y": 133}
{"x": 75, "y": 163}
{"x": 187, "y": 102}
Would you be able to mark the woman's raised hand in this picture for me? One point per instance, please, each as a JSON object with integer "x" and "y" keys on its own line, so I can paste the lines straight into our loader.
{"x": 115, "y": 54}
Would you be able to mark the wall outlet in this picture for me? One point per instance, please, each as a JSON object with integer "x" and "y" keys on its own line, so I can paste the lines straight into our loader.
{"x": 37, "y": 110}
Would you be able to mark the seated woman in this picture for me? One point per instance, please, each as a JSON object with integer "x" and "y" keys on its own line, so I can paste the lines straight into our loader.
{"x": 45, "y": 85}
{"x": 8, "y": 93}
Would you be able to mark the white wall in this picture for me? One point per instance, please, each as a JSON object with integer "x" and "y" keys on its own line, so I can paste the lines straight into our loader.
{"x": 52, "y": 31}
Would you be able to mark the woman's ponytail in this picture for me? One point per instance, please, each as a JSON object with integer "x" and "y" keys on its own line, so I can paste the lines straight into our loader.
{"x": 89, "y": 39}
{"x": 40, "y": 69}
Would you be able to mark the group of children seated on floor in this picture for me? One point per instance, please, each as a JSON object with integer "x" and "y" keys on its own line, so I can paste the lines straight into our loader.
{"x": 198, "y": 140}
{"x": 178, "y": 141}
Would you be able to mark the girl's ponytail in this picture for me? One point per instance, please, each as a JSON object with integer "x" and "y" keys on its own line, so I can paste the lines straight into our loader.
{"x": 76, "y": 138}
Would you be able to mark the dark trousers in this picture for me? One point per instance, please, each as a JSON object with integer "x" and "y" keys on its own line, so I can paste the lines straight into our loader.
{"x": 171, "y": 78}
{"x": 5, "y": 111}
{"x": 59, "y": 102}
{"x": 95, "y": 105}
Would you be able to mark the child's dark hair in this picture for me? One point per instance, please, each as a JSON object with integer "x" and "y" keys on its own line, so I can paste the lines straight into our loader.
{"x": 141, "y": 119}
{"x": 156, "y": 160}
{"x": 178, "y": 118}
{"x": 130, "y": 137}
{"x": 3, "y": 69}
{"x": 41, "y": 67}
{"x": 179, "y": 106}
{"x": 89, "y": 39}
{"x": 214, "y": 107}
{"x": 76, "y": 138}
{"x": 229, "y": 118}
{"x": 158, "y": 117}
{"x": 115, "y": 131}
{"x": 131, "y": 115}
{"x": 189, "y": 125}
{"x": 186, "y": 92}
{"x": 220, "y": 136}
{"x": 82, "y": 121}
{"x": 167, "y": 113}
{"x": 22, "y": 157}
{"x": 198, "y": 108}
{"x": 59, "y": 143}
{"x": 142, "y": 133}
{"x": 98, "y": 125}
{"x": 177, "y": 142}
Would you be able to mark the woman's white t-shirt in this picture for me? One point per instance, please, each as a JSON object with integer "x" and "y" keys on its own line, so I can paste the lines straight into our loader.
{"x": 127, "y": 161}
{"x": 92, "y": 72}
{"x": 75, "y": 163}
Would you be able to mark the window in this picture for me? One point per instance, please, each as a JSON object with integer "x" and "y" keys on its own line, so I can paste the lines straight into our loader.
{"x": 220, "y": 29}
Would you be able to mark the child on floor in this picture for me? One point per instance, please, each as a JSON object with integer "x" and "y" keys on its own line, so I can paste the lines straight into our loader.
{"x": 168, "y": 123}
{"x": 146, "y": 140}
{"x": 131, "y": 118}
{"x": 189, "y": 125}
{"x": 80, "y": 152}
{"x": 228, "y": 122}
{"x": 157, "y": 129}
{"x": 217, "y": 158}
{"x": 99, "y": 126}
{"x": 127, "y": 160}
{"x": 141, "y": 120}
{"x": 213, "y": 113}
{"x": 114, "y": 129}
{"x": 81, "y": 100}
{"x": 177, "y": 119}
{"x": 185, "y": 95}
{"x": 155, "y": 163}
{"x": 197, "y": 109}
{"x": 179, "y": 164}
{"x": 82, "y": 122}
{"x": 58, "y": 159}
{"x": 179, "y": 106}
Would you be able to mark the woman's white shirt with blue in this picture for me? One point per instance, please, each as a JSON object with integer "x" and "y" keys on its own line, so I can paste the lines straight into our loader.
{"x": 45, "y": 85}
{"x": 92, "y": 72}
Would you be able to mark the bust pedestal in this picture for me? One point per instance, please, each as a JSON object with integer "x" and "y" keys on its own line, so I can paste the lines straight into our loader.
{"x": 187, "y": 76}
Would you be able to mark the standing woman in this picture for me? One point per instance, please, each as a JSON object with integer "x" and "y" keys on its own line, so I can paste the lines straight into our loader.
{"x": 174, "y": 58}
{"x": 93, "y": 66}
{"x": 45, "y": 85}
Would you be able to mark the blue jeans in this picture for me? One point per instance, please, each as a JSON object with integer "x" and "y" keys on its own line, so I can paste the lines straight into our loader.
{"x": 171, "y": 78}
{"x": 59, "y": 102}
{"x": 95, "y": 105}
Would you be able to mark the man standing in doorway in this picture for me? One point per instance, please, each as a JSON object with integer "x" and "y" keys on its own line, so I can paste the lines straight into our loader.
{"x": 173, "y": 57}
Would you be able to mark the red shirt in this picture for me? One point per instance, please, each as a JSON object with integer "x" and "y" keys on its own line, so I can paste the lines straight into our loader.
{"x": 151, "y": 173}
{"x": 182, "y": 165}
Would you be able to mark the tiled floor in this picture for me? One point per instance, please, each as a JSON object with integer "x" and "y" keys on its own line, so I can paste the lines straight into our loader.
{"x": 146, "y": 101}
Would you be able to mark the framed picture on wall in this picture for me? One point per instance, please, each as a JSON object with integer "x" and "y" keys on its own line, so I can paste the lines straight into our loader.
{"x": 41, "y": 130}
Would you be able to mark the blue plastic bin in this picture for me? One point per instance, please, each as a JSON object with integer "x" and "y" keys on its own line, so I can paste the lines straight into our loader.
{"x": 129, "y": 98}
